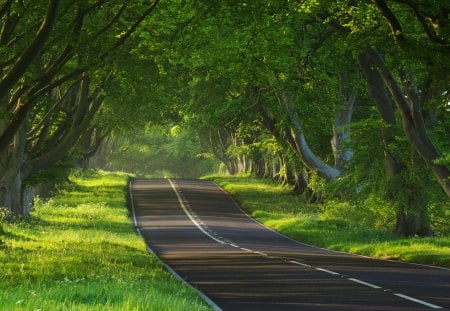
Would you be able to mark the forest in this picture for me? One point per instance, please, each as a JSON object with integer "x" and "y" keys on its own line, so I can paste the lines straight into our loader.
{"x": 343, "y": 100}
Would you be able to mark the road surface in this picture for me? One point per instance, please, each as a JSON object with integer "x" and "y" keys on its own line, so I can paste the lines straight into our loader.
{"x": 203, "y": 235}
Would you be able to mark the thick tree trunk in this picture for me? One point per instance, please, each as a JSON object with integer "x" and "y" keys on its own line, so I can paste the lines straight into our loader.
{"x": 412, "y": 217}
{"x": 411, "y": 209}
{"x": 416, "y": 224}
{"x": 11, "y": 179}
{"x": 307, "y": 156}
{"x": 413, "y": 123}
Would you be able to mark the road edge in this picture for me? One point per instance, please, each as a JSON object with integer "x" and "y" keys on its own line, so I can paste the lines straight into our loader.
{"x": 318, "y": 247}
{"x": 205, "y": 298}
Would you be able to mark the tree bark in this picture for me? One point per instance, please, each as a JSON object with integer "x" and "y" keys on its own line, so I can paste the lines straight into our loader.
{"x": 409, "y": 221}
{"x": 307, "y": 156}
{"x": 412, "y": 119}
{"x": 30, "y": 52}
{"x": 219, "y": 150}
{"x": 341, "y": 131}
{"x": 11, "y": 179}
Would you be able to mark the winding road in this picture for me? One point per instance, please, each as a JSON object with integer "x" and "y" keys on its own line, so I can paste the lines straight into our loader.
{"x": 204, "y": 237}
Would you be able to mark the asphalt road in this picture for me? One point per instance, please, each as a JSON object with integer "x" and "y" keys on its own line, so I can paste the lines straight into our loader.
{"x": 204, "y": 236}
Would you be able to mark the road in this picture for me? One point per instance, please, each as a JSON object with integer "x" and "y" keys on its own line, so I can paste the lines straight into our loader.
{"x": 205, "y": 237}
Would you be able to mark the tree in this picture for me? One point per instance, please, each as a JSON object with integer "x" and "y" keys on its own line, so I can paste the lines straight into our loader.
{"x": 52, "y": 83}
{"x": 291, "y": 67}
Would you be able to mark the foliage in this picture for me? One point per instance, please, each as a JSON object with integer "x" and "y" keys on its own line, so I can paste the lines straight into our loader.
{"x": 161, "y": 151}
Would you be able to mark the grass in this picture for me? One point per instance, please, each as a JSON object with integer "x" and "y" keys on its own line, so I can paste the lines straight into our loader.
{"x": 79, "y": 251}
{"x": 338, "y": 226}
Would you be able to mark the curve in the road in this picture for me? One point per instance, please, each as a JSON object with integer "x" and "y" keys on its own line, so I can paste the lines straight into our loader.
{"x": 204, "y": 236}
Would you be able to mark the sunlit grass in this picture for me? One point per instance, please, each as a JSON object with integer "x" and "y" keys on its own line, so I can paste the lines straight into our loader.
{"x": 342, "y": 229}
{"x": 80, "y": 252}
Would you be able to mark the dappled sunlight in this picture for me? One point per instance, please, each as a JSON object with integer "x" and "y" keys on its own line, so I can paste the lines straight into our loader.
{"x": 80, "y": 252}
{"x": 201, "y": 233}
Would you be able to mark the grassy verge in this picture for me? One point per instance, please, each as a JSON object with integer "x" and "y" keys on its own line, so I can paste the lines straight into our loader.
{"x": 80, "y": 252}
{"x": 336, "y": 226}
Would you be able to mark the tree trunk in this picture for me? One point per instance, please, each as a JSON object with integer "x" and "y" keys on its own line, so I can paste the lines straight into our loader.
{"x": 11, "y": 179}
{"x": 412, "y": 215}
{"x": 412, "y": 119}
{"x": 301, "y": 183}
{"x": 341, "y": 131}
{"x": 411, "y": 209}
{"x": 307, "y": 156}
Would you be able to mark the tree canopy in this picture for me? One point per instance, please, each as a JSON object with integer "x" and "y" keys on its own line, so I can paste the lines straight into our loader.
{"x": 339, "y": 98}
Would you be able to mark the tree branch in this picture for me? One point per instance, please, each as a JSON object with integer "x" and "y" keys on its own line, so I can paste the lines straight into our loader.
{"x": 130, "y": 30}
{"x": 113, "y": 20}
{"x": 392, "y": 20}
{"x": 428, "y": 30}
{"x": 31, "y": 51}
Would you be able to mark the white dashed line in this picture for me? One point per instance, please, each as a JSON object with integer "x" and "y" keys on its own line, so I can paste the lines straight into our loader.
{"x": 364, "y": 283}
{"x": 246, "y": 249}
{"x": 328, "y": 271}
{"x": 210, "y": 233}
{"x": 430, "y": 305}
{"x": 260, "y": 253}
{"x": 191, "y": 216}
{"x": 174, "y": 273}
{"x": 299, "y": 263}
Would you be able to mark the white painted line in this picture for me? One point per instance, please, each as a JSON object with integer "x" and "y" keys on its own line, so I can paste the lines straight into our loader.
{"x": 299, "y": 263}
{"x": 234, "y": 245}
{"x": 132, "y": 207}
{"x": 191, "y": 216}
{"x": 316, "y": 247}
{"x": 430, "y": 305}
{"x": 364, "y": 283}
{"x": 202, "y": 295}
{"x": 173, "y": 272}
{"x": 260, "y": 253}
{"x": 246, "y": 249}
{"x": 328, "y": 271}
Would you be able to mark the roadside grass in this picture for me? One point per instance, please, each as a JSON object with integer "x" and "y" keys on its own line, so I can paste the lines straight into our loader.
{"x": 337, "y": 226}
{"x": 79, "y": 251}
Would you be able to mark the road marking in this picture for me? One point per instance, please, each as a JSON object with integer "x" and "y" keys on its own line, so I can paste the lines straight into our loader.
{"x": 193, "y": 217}
{"x": 246, "y": 249}
{"x": 328, "y": 271}
{"x": 299, "y": 263}
{"x": 150, "y": 250}
{"x": 260, "y": 253}
{"x": 132, "y": 207}
{"x": 210, "y": 233}
{"x": 419, "y": 301}
{"x": 364, "y": 283}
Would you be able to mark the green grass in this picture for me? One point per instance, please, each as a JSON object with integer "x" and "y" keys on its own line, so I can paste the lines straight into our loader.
{"x": 79, "y": 251}
{"x": 338, "y": 226}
